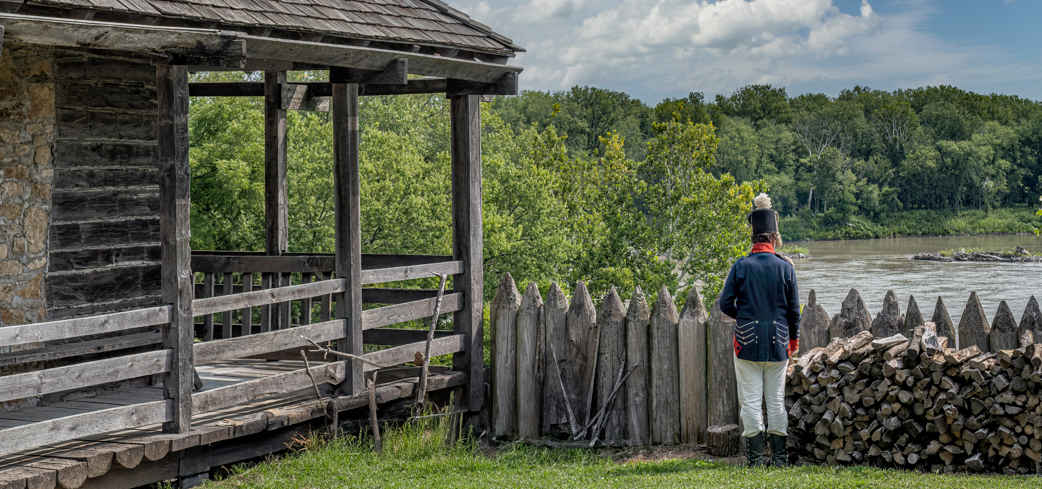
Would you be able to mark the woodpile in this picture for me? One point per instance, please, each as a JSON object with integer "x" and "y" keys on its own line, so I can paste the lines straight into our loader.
{"x": 915, "y": 403}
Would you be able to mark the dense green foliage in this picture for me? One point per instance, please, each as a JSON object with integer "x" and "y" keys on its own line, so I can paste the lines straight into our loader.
{"x": 417, "y": 457}
{"x": 837, "y": 162}
{"x": 550, "y": 213}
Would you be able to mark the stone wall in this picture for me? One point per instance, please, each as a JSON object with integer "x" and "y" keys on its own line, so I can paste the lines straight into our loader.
{"x": 27, "y": 129}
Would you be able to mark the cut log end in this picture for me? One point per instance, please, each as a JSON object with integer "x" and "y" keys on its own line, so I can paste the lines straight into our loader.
{"x": 723, "y": 441}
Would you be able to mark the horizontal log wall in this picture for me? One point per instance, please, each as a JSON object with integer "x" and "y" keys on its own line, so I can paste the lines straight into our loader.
{"x": 104, "y": 234}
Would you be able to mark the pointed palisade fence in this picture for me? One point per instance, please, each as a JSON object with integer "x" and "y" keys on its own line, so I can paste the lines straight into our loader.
{"x": 639, "y": 372}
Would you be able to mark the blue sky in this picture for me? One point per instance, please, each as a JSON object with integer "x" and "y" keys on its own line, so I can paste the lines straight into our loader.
{"x": 654, "y": 49}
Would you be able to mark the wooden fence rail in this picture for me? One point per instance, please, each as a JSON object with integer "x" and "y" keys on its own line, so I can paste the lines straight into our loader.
{"x": 72, "y": 328}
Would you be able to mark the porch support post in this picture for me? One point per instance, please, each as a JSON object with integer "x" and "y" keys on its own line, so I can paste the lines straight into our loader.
{"x": 174, "y": 209}
{"x": 348, "y": 226}
{"x": 466, "y": 240}
{"x": 276, "y": 191}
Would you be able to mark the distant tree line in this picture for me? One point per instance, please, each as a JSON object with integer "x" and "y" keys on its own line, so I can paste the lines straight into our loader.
{"x": 865, "y": 152}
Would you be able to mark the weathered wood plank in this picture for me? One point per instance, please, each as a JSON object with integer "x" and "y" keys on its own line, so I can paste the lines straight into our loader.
{"x": 664, "y": 359}
{"x": 175, "y": 230}
{"x": 410, "y": 311}
{"x": 226, "y": 319}
{"x": 506, "y": 85}
{"x": 233, "y": 395}
{"x": 94, "y": 258}
{"x": 583, "y": 339}
{"x": 555, "y": 415}
{"x": 638, "y": 317}
{"x": 71, "y": 328}
{"x": 305, "y": 304}
{"x": 208, "y": 291}
{"x": 398, "y": 336}
{"x": 69, "y": 350}
{"x": 243, "y": 262}
{"x": 276, "y": 183}
{"x": 348, "y": 222}
{"x": 396, "y": 72}
{"x": 398, "y": 274}
{"x": 83, "y": 425}
{"x": 268, "y": 296}
{"x": 503, "y": 328}
{"x": 693, "y": 348}
{"x": 611, "y": 357}
{"x": 467, "y": 246}
{"x": 316, "y": 91}
{"x": 407, "y": 353}
{"x": 244, "y": 346}
{"x": 58, "y": 379}
{"x": 530, "y": 363}
{"x": 723, "y": 384}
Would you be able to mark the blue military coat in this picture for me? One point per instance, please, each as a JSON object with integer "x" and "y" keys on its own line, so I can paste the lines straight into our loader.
{"x": 761, "y": 295}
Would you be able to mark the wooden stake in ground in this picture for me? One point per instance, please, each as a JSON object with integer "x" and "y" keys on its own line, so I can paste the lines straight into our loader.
{"x": 371, "y": 384}
{"x": 530, "y": 363}
{"x": 1003, "y": 334}
{"x": 941, "y": 319}
{"x": 973, "y": 327}
{"x": 583, "y": 339}
{"x": 637, "y": 318}
{"x": 723, "y": 384}
{"x": 555, "y": 415}
{"x": 503, "y": 325}
{"x": 913, "y": 317}
{"x": 421, "y": 392}
{"x": 814, "y": 326}
{"x": 693, "y": 350}
{"x": 611, "y": 359}
{"x": 665, "y": 381}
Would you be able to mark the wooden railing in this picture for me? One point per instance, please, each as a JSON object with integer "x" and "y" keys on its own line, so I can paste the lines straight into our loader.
{"x": 406, "y": 305}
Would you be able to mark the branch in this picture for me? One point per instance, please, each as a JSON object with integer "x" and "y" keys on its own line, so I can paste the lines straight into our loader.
{"x": 421, "y": 391}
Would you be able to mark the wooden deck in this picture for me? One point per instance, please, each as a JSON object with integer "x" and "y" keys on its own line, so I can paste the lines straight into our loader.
{"x": 130, "y": 458}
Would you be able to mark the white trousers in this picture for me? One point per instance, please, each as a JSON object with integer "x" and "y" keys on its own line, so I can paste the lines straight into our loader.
{"x": 758, "y": 381}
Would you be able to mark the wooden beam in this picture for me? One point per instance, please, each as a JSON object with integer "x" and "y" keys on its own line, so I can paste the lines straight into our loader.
{"x": 80, "y": 348}
{"x": 226, "y": 89}
{"x": 241, "y": 262}
{"x": 71, "y": 328}
{"x": 276, "y": 190}
{"x": 399, "y": 336}
{"x": 406, "y": 353}
{"x": 507, "y": 85}
{"x": 348, "y": 228}
{"x": 465, "y": 116}
{"x": 83, "y": 425}
{"x": 395, "y": 73}
{"x": 86, "y": 374}
{"x": 220, "y": 398}
{"x": 398, "y": 274}
{"x": 295, "y": 96}
{"x": 175, "y": 232}
{"x": 410, "y": 311}
{"x": 1, "y": 40}
{"x": 196, "y": 46}
{"x": 267, "y": 296}
{"x": 245, "y": 346}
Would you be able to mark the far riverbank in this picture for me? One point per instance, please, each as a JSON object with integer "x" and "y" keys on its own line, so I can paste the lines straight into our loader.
{"x": 916, "y": 223}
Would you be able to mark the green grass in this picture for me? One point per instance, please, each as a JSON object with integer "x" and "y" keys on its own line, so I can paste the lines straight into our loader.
{"x": 417, "y": 458}
{"x": 910, "y": 223}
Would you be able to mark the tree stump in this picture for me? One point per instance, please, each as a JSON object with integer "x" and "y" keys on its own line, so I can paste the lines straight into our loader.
{"x": 723, "y": 441}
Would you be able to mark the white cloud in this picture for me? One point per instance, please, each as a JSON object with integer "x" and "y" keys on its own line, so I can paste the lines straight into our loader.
{"x": 658, "y": 48}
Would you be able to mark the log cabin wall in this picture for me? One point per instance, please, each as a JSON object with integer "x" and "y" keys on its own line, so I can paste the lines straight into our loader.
{"x": 104, "y": 235}
{"x": 27, "y": 131}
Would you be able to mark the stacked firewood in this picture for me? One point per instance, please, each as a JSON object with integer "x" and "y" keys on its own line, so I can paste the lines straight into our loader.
{"x": 914, "y": 403}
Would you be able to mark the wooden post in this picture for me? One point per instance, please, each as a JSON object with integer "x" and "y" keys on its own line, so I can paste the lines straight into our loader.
{"x": 348, "y": 227}
{"x": 465, "y": 117}
{"x": 555, "y": 413}
{"x": 973, "y": 326}
{"x": 852, "y": 319}
{"x": 889, "y": 321}
{"x": 530, "y": 363}
{"x": 1031, "y": 320}
{"x": 913, "y": 318}
{"x": 691, "y": 337}
{"x": 943, "y": 322}
{"x": 611, "y": 357}
{"x": 175, "y": 175}
{"x": 1003, "y": 335}
{"x": 665, "y": 378}
{"x": 226, "y": 317}
{"x": 814, "y": 326}
{"x": 637, "y": 318}
{"x": 583, "y": 337}
{"x": 502, "y": 317}
{"x": 276, "y": 189}
{"x": 723, "y": 383}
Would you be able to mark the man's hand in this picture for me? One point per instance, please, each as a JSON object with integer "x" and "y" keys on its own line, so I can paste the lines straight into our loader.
{"x": 794, "y": 346}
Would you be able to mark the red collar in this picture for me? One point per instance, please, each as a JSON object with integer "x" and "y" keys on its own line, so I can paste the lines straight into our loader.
{"x": 762, "y": 248}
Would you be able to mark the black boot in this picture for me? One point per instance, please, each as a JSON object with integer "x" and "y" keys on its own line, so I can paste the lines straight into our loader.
{"x": 754, "y": 450}
{"x": 779, "y": 457}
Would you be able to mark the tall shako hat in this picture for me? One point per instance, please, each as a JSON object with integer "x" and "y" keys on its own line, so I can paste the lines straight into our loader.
{"x": 763, "y": 219}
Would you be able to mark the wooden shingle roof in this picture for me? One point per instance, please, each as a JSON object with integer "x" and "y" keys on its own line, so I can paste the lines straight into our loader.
{"x": 424, "y": 22}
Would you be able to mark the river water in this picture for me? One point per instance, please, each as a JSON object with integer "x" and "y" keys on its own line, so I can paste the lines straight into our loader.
{"x": 874, "y": 266}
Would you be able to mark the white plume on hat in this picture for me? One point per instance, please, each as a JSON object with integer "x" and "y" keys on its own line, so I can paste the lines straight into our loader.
{"x": 762, "y": 201}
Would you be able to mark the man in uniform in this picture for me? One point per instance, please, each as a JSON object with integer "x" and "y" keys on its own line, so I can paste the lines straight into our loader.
{"x": 761, "y": 295}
